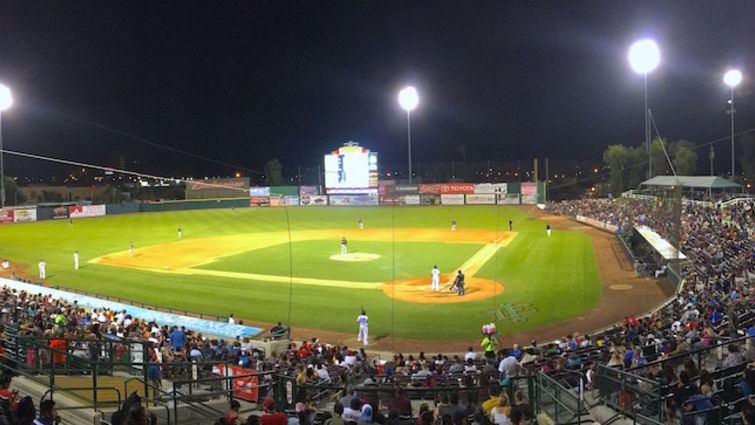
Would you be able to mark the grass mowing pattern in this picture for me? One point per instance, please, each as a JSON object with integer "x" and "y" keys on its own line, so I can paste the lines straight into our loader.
{"x": 557, "y": 275}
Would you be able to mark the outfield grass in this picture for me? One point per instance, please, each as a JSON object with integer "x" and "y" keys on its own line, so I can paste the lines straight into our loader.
{"x": 558, "y": 275}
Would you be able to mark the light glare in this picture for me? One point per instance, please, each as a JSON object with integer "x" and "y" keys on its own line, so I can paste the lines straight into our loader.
{"x": 733, "y": 77}
{"x": 644, "y": 56}
{"x": 408, "y": 98}
{"x": 6, "y": 100}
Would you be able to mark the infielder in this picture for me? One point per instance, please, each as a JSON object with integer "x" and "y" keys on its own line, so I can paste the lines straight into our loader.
{"x": 343, "y": 245}
{"x": 361, "y": 224}
{"x": 436, "y": 279}
{"x": 131, "y": 249}
{"x": 42, "y": 266}
{"x": 362, "y": 320}
{"x": 179, "y": 233}
{"x": 453, "y": 225}
{"x": 548, "y": 229}
{"x": 76, "y": 260}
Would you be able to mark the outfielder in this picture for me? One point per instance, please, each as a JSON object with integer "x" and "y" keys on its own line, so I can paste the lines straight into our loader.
{"x": 361, "y": 224}
{"x": 453, "y": 225}
{"x": 362, "y": 320}
{"x": 436, "y": 279}
{"x": 343, "y": 245}
{"x": 179, "y": 233}
{"x": 548, "y": 229}
{"x": 42, "y": 266}
{"x": 76, "y": 260}
{"x": 131, "y": 249}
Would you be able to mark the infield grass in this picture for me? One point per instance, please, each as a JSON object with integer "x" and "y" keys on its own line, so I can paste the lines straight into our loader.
{"x": 556, "y": 277}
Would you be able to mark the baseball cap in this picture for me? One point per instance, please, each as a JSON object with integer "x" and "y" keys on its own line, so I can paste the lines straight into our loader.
{"x": 367, "y": 412}
{"x": 299, "y": 407}
{"x": 268, "y": 404}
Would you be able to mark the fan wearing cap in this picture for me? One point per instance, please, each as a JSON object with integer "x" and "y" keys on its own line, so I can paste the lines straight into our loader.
{"x": 271, "y": 416}
{"x": 366, "y": 415}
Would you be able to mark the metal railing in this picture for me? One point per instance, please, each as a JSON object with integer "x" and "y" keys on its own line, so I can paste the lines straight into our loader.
{"x": 631, "y": 395}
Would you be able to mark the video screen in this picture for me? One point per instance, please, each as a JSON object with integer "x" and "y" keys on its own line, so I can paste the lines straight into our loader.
{"x": 351, "y": 170}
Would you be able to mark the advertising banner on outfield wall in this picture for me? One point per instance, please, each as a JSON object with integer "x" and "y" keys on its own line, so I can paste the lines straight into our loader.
{"x": 308, "y": 191}
{"x": 454, "y": 199}
{"x": 216, "y": 188}
{"x": 291, "y": 200}
{"x": 259, "y": 191}
{"x": 386, "y": 187}
{"x": 353, "y": 200}
{"x": 429, "y": 199}
{"x": 259, "y": 201}
{"x": 6, "y": 216}
{"x": 481, "y": 199}
{"x": 529, "y": 193}
{"x": 314, "y": 200}
{"x": 79, "y": 211}
{"x": 277, "y": 201}
{"x": 508, "y": 199}
{"x": 24, "y": 215}
{"x": 60, "y": 212}
{"x": 445, "y": 188}
{"x": 490, "y": 188}
{"x": 389, "y": 199}
{"x": 410, "y": 199}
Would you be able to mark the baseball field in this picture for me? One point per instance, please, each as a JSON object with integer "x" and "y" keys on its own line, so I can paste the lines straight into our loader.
{"x": 246, "y": 261}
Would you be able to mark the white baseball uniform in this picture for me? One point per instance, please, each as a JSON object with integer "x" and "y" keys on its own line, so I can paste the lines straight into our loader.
{"x": 343, "y": 246}
{"x": 75, "y": 260}
{"x": 436, "y": 279}
{"x": 42, "y": 266}
{"x": 362, "y": 320}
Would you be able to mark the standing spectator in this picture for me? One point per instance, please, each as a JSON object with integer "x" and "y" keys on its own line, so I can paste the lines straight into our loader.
{"x": 178, "y": 339}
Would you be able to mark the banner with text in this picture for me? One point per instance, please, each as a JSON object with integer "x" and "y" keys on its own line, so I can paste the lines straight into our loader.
{"x": 445, "y": 188}
{"x": 529, "y": 193}
{"x": 314, "y": 200}
{"x": 596, "y": 223}
{"x": 481, "y": 199}
{"x": 79, "y": 211}
{"x": 60, "y": 212}
{"x": 490, "y": 188}
{"x": 24, "y": 215}
{"x": 353, "y": 200}
{"x": 277, "y": 201}
{"x": 6, "y": 216}
{"x": 454, "y": 199}
{"x": 308, "y": 191}
{"x": 429, "y": 199}
{"x": 259, "y": 201}
{"x": 259, "y": 191}
{"x": 508, "y": 199}
{"x": 410, "y": 199}
{"x": 245, "y": 386}
{"x": 291, "y": 200}
{"x": 389, "y": 199}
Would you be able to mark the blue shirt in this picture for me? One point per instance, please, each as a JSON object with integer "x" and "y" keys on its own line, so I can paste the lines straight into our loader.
{"x": 178, "y": 339}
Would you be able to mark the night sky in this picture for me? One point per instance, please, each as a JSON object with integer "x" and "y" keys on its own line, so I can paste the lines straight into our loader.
{"x": 243, "y": 82}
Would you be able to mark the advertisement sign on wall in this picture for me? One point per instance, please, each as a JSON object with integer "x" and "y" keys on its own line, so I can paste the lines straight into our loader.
{"x": 314, "y": 200}
{"x": 60, "y": 212}
{"x": 529, "y": 193}
{"x": 259, "y": 201}
{"x": 452, "y": 199}
{"x": 429, "y": 199}
{"x": 308, "y": 190}
{"x": 509, "y": 199}
{"x": 389, "y": 199}
{"x": 244, "y": 386}
{"x": 79, "y": 211}
{"x": 6, "y": 216}
{"x": 259, "y": 191}
{"x": 291, "y": 200}
{"x": 24, "y": 215}
{"x": 445, "y": 188}
{"x": 410, "y": 199}
{"x": 216, "y": 188}
{"x": 359, "y": 200}
{"x": 490, "y": 188}
{"x": 277, "y": 201}
{"x": 481, "y": 199}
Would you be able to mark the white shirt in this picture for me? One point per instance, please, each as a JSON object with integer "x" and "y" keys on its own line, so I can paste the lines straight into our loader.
{"x": 362, "y": 320}
{"x": 508, "y": 366}
{"x": 42, "y": 265}
{"x": 75, "y": 256}
{"x": 470, "y": 355}
{"x": 231, "y": 321}
{"x": 436, "y": 273}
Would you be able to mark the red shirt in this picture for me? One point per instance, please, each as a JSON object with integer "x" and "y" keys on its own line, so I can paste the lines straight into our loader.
{"x": 273, "y": 419}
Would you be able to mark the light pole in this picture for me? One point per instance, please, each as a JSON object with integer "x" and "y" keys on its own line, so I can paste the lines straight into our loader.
{"x": 6, "y": 100}
{"x": 644, "y": 57}
{"x": 732, "y": 78}
{"x": 409, "y": 99}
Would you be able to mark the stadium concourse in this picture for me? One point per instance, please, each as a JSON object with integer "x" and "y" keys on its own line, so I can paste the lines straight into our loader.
{"x": 713, "y": 310}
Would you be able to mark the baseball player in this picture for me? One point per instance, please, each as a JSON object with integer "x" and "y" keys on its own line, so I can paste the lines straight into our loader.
{"x": 362, "y": 320}
{"x": 131, "y": 249}
{"x": 548, "y": 229}
{"x": 511, "y": 225}
{"x": 436, "y": 279}
{"x": 343, "y": 245}
{"x": 179, "y": 233}
{"x": 453, "y": 225}
{"x": 361, "y": 224}
{"x": 459, "y": 283}
{"x": 42, "y": 266}
{"x": 76, "y": 260}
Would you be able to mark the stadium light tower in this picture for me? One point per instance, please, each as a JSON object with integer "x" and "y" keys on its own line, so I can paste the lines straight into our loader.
{"x": 6, "y": 101}
{"x": 408, "y": 98}
{"x": 732, "y": 78}
{"x": 644, "y": 57}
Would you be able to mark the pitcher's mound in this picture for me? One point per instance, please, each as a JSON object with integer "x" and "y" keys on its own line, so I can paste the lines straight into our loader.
{"x": 355, "y": 256}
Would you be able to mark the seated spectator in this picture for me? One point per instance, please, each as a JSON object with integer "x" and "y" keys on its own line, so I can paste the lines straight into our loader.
{"x": 346, "y": 399}
{"x": 8, "y": 404}
{"x": 366, "y": 418}
{"x": 492, "y": 401}
{"x": 353, "y": 412}
{"x": 337, "y": 418}
{"x": 401, "y": 403}
{"x": 270, "y": 415}
{"x": 499, "y": 415}
{"x": 48, "y": 414}
{"x": 232, "y": 417}
{"x": 734, "y": 357}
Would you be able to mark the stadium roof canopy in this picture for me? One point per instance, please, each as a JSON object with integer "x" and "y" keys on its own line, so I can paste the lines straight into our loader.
{"x": 692, "y": 182}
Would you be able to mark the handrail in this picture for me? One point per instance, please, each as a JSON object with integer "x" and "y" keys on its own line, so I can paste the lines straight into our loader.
{"x": 690, "y": 353}
{"x": 146, "y": 396}
{"x": 94, "y": 404}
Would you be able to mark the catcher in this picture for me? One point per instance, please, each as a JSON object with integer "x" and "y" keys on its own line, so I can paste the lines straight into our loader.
{"x": 458, "y": 284}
